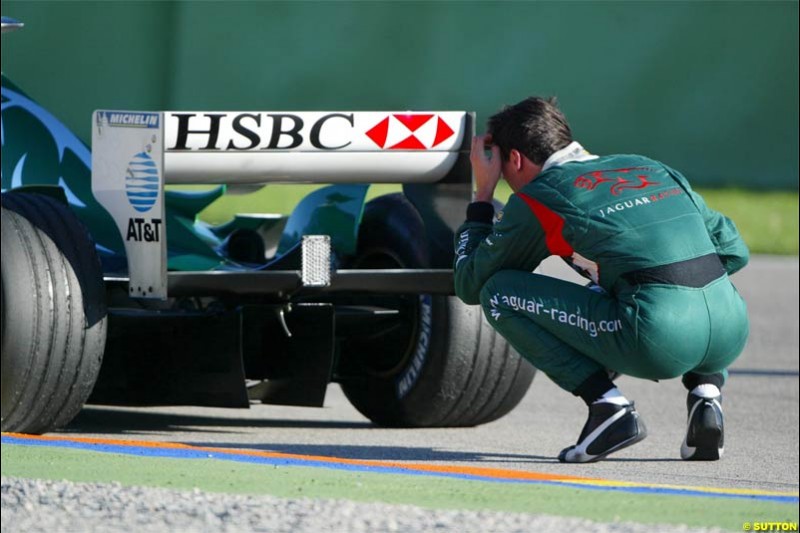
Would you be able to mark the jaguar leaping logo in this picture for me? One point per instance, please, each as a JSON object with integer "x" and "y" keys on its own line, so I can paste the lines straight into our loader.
{"x": 617, "y": 178}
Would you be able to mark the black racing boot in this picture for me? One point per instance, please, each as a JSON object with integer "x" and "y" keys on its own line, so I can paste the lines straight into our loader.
{"x": 705, "y": 434}
{"x": 610, "y": 428}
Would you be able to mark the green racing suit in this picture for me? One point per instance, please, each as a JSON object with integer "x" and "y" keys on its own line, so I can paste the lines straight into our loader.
{"x": 660, "y": 304}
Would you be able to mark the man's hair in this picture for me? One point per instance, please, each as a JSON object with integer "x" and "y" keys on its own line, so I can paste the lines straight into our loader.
{"x": 535, "y": 127}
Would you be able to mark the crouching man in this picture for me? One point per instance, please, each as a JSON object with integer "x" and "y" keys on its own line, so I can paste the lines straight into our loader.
{"x": 659, "y": 305}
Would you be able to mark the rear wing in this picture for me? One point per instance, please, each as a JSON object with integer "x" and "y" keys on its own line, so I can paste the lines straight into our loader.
{"x": 134, "y": 154}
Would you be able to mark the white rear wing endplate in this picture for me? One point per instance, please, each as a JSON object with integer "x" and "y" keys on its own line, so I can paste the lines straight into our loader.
{"x": 128, "y": 180}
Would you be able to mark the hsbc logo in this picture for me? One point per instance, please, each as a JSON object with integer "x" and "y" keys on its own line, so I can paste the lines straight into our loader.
{"x": 313, "y": 131}
{"x": 400, "y": 131}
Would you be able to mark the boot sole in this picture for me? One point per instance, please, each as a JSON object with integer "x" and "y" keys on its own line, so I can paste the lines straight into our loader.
{"x": 622, "y": 445}
{"x": 706, "y": 439}
{"x": 707, "y": 446}
{"x": 641, "y": 433}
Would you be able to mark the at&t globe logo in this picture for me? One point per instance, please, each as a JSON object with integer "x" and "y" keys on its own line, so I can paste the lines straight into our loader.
{"x": 141, "y": 182}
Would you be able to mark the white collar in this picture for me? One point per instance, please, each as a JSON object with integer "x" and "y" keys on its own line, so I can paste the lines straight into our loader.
{"x": 572, "y": 152}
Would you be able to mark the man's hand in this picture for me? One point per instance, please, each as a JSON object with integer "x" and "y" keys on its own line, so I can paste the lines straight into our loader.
{"x": 486, "y": 170}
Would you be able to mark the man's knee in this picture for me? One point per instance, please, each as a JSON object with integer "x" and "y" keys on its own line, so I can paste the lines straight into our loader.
{"x": 494, "y": 295}
{"x": 489, "y": 300}
{"x": 491, "y": 291}
{"x": 486, "y": 294}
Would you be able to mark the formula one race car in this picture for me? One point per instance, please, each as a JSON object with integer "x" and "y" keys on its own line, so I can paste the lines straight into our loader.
{"x": 113, "y": 291}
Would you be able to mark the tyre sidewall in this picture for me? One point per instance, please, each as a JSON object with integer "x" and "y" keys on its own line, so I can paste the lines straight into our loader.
{"x": 28, "y": 316}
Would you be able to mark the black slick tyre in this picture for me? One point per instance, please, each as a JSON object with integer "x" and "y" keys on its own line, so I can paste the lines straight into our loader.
{"x": 53, "y": 314}
{"x": 440, "y": 364}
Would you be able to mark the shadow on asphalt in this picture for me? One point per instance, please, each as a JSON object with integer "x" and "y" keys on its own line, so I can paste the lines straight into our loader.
{"x": 99, "y": 420}
{"x": 111, "y": 421}
{"x": 379, "y": 453}
{"x": 398, "y": 453}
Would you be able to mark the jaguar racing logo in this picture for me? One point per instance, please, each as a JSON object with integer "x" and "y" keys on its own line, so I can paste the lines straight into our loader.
{"x": 618, "y": 180}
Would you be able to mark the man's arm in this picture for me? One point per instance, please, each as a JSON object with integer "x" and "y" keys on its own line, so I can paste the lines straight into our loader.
{"x": 516, "y": 242}
{"x": 729, "y": 245}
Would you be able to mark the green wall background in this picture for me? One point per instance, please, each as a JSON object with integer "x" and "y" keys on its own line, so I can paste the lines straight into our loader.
{"x": 709, "y": 87}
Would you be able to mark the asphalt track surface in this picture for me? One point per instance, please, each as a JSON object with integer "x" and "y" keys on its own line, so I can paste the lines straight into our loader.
{"x": 761, "y": 406}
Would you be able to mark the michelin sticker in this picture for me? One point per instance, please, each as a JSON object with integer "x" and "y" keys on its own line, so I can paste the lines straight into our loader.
{"x": 118, "y": 119}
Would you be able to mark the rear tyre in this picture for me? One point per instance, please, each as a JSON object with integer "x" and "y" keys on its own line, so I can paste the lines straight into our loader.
{"x": 440, "y": 364}
{"x": 53, "y": 314}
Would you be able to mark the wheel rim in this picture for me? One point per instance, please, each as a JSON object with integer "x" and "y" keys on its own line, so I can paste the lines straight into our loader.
{"x": 389, "y": 344}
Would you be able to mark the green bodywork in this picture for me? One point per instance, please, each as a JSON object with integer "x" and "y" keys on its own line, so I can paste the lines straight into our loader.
{"x": 40, "y": 150}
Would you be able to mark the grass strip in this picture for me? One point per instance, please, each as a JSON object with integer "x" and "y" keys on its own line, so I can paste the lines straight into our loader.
{"x": 767, "y": 220}
{"x": 424, "y": 491}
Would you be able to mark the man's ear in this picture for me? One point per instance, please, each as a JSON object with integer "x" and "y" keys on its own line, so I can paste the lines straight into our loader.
{"x": 516, "y": 159}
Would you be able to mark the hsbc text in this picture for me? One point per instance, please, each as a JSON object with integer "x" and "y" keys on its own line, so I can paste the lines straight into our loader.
{"x": 257, "y": 131}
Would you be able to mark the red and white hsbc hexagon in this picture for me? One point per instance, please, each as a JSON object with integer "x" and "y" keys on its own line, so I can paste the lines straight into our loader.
{"x": 325, "y": 131}
{"x": 417, "y": 131}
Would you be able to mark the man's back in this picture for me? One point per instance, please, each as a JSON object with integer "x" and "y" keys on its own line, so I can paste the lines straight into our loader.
{"x": 623, "y": 213}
